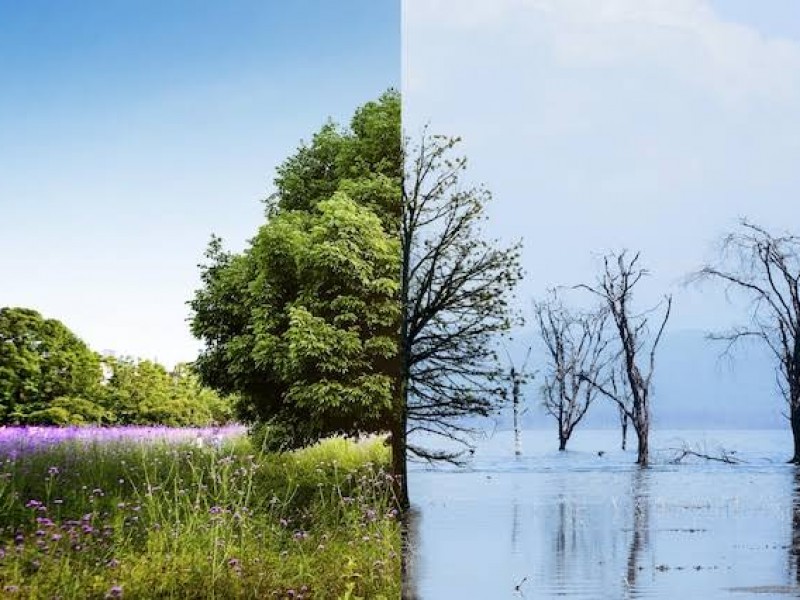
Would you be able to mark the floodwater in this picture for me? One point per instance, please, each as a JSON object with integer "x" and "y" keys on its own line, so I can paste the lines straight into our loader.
{"x": 578, "y": 524}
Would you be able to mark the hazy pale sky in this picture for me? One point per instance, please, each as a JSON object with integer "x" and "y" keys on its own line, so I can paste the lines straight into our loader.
{"x": 130, "y": 131}
{"x": 603, "y": 124}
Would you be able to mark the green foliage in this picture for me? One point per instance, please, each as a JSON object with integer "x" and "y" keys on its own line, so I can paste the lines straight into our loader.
{"x": 371, "y": 151}
{"x": 144, "y": 392}
{"x": 41, "y": 360}
{"x": 70, "y": 410}
{"x": 50, "y": 377}
{"x": 304, "y": 323}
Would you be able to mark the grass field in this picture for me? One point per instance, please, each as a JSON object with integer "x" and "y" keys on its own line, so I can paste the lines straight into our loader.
{"x": 159, "y": 513}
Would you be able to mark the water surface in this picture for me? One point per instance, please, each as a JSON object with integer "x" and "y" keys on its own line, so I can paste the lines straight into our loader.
{"x": 579, "y": 524}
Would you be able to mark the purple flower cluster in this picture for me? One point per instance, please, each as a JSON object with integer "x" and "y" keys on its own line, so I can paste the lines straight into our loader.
{"x": 300, "y": 594}
{"x": 19, "y": 441}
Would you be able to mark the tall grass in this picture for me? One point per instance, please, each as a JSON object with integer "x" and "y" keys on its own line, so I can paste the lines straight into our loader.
{"x": 166, "y": 520}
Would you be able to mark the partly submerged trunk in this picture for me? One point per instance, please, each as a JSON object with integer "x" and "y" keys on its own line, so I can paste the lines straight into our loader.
{"x": 792, "y": 371}
{"x": 563, "y": 437}
{"x": 794, "y": 419}
{"x": 517, "y": 434}
{"x": 642, "y": 437}
{"x": 400, "y": 464}
{"x": 563, "y": 432}
{"x": 624, "y": 423}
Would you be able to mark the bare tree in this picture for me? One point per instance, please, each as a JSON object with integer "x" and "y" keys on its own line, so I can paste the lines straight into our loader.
{"x": 615, "y": 286}
{"x": 575, "y": 344}
{"x": 517, "y": 377}
{"x": 617, "y": 380}
{"x": 623, "y": 425}
{"x": 455, "y": 294}
{"x": 765, "y": 267}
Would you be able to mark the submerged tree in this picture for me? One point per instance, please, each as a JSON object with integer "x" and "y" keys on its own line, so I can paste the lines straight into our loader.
{"x": 765, "y": 267}
{"x": 517, "y": 377}
{"x": 455, "y": 293}
{"x": 618, "y": 385}
{"x": 576, "y": 349}
{"x": 615, "y": 287}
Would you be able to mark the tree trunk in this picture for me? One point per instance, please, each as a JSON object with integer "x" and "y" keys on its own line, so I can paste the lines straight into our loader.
{"x": 562, "y": 443}
{"x": 643, "y": 450}
{"x": 794, "y": 419}
{"x": 400, "y": 432}
{"x": 624, "y": 432}
{"x": 517, "y": 436}
{"x": 399, "y": 464}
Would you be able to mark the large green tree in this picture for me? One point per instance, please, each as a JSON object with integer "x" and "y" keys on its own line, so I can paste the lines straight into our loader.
{"x": 41, "y": 361}
{"x": 369, "y": 301}
{"x": 303, "y": 324}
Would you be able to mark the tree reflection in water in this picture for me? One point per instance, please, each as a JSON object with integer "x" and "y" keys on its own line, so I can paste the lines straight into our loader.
{"x": 640, "y": 531}
{"x": 409, "y": 544}
{"x": 794, "y": 547}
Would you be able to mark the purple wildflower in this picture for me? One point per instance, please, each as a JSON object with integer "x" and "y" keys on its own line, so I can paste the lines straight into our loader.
{"x": 23, "y": 440}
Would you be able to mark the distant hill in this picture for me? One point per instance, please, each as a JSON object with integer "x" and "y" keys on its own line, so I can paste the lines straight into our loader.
{"x": 695, "y": 388}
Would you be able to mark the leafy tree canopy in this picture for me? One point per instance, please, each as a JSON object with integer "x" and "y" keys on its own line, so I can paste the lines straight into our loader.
{"x": 363, "y": 158}
{"x": 303, "y": 324}
{"x": 41, "y": 360}
{"x": 144, "y": 392}
{"x": 48, "y": 376}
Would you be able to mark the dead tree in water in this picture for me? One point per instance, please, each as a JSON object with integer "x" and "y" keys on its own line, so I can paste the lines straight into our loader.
{"x": 575, "y": 345}
{"x": 623, "y": 423}
{"x": 766, "y": 268}
{"x": 517, "y": 377}
{"x": 622, "y": 398}
{"x": 723, "y": 456}
{"x": 615, "y": 287}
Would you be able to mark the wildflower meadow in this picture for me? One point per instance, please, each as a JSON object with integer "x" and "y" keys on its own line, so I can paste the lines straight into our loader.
{"x": 156, "y": 512}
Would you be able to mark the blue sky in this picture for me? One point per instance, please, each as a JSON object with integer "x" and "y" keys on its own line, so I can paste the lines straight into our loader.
{"x": 652, "y": 125}
{"x": 130, "y": 131}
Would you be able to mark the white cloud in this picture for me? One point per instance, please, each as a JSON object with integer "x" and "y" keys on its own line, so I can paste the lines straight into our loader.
{"x": 683, "y": 36}
{"x": 651, "y": 124}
